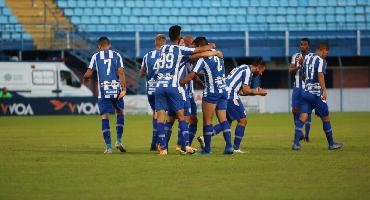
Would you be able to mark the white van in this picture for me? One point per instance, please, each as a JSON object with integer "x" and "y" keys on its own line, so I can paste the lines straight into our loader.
{"x": 41, "y": 79}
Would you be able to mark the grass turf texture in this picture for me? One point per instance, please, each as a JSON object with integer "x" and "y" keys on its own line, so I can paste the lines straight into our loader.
{"x": 62, "y": 158}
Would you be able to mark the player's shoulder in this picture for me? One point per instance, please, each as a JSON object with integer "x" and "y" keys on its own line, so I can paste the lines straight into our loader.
{"x": 116, "y": 54}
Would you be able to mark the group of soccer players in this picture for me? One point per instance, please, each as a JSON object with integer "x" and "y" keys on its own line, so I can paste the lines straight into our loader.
{"x": 171, "y": 69}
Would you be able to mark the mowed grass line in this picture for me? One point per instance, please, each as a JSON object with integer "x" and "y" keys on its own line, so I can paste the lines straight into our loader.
{"x": 60, "y": 157}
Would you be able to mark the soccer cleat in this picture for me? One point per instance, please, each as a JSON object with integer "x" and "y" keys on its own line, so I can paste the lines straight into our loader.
{"x": 296, "y": 147}
{"x": 120, "y": 147}
{"x": 203, "y": 152}
{"x": 108, "y": 151}
{"x": 307, "y": 139}
{"x": 162, "y": 151}
{"x": 178, "y": 149}
{"x": 153, "y": 148}
{"x": 239, "y": 151}
{"x": 190, "y": 150}
{"x": 201, "y": 142}
{"x": 301, "y": 138}
{"x": 335, "y": 146}
{"x": 229, "y": 150}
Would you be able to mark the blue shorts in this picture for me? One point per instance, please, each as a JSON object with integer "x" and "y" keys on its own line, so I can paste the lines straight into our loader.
{"x": 187, "y": 110}
{"x": 151, "y": 99}
{"x": 110, "y": 105}
{"x": 297, "y": 97}
{"x": 220, "y": 99}
{"x": 311, "y": 101}
{"x": 168, "y": 98}
{"x": 193, "y": 106}
{"x": 235, "y": 110}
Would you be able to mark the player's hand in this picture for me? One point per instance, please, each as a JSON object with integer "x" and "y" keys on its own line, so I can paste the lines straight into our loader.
{"x": 300, "y": 61}
{"x": 324, "y": 95}
{"x": 220, "y": 55}
{"x": 262, "y": 92}
{"x": 122, "y": 94}
{"x": 213, "y": 45}
{"x": 182, "y": 82}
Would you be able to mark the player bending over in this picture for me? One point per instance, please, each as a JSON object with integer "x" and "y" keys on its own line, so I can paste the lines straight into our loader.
{"x": 149, "y": 68}
{"x": 239, "y": 82}
{"x": 314, "y": 96}
{"x": 214, "y": 96}
{"x": 112, "y": 89}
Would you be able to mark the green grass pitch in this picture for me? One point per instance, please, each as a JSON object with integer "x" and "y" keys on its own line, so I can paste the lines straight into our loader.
{"x": 62, "y": 158}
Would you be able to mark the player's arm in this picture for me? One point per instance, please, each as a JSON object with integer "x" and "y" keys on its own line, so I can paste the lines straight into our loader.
{"x": 205, "y": 48}
{"x": 293, "y": 68}
{"x": 248, "y": 91}
{"x": 187, "y": 78}
{"x": 90, "y": 70}
{"x": 122, "y": 78}
{"x": 198, "y": 80}
{"x": 321, "y": 78}
{"x": 206, "y": 54}
{"x": 143, "y": 67}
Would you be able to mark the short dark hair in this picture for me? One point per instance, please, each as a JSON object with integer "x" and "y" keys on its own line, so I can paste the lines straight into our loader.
{"x": 306, "y": 40}
{"x": 103, "y": 41}
{"x": 200, "y": 41}
{"x": 323, "y": 45}
{"x": 258, "y": 61}
{"x": 174, "y": 32}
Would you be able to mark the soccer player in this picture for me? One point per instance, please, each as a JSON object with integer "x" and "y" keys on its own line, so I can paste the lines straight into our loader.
{"x": 214, "y": 96}
{"x": 112, "y": 88}
{"x": 168, "y": 91}
{"x": 239, "y": 82}
{"x": 149, "y": 68}
{"x": 296, "y": 69}
{"x": 314, "y": 96}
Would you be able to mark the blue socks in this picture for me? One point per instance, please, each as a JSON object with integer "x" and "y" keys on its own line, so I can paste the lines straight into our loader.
{"x": 168, "y": 130}
{"x": 106, "y": 133}
{"x": 154, "y": 135}
{"x": 227, "y": 133}
{"x": 298, "y": 131}
{"x": 308, "y": 125}
{"x": 217, "y": 129}
{"x": 192, "y": 132}
{"x": 326, "y": 126}
{"x": 296, "y": 118}
{"x": 161, "y": 134}
{"x": 119, "y": 127}
{"x": 207, "y": 134}
{"x": 183, "y": 126}
{"x": 239, "y": 133}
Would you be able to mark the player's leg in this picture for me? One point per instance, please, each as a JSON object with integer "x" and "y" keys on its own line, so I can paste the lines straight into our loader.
{"x": 308, "y": 128}
{"x": 239, "y": 134}
{"x": 105, "y": 108}
{"x": 322, "y": 110}
{"x": 307, "y": 102}
{"x": 295, "y": 104}
{"x": 151, "y": 100}
{"x": 120, "y": 122}
{"x": 171, "y": 116}
{"x": 221, "y": 115}
{"x": 161, "y": 105}
{"x": 193, "y": 120}
{"x": 208, "y": 110}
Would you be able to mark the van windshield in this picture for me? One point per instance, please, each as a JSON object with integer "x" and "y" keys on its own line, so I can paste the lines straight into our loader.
{"x": 67, "y": 78}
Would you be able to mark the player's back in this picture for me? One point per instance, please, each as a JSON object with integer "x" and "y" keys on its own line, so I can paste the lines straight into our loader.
{"x": 313, "y": 65}
{"x": 106, "y": 64}
{"x": 214, "y": 72}
{"x": 237, "y": 77}
{"x": 150, "y": 62}
{"x": 169, "y": 64}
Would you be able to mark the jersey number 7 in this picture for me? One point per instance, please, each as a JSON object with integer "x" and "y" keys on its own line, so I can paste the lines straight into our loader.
{"x": 109, "y": 61}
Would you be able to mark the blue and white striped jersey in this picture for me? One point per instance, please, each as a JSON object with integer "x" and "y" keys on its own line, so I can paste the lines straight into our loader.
{"x": 169, "y": 64}
{"x": 241, "y": 75}
{"x": 106, "y": 64}
{"x": 185, "y": 70}
{"x": 298, "y": 81}
{"x": 214, "y": 72}
{"x": 312, "y": 65}
{"x": 150, "y": 63}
